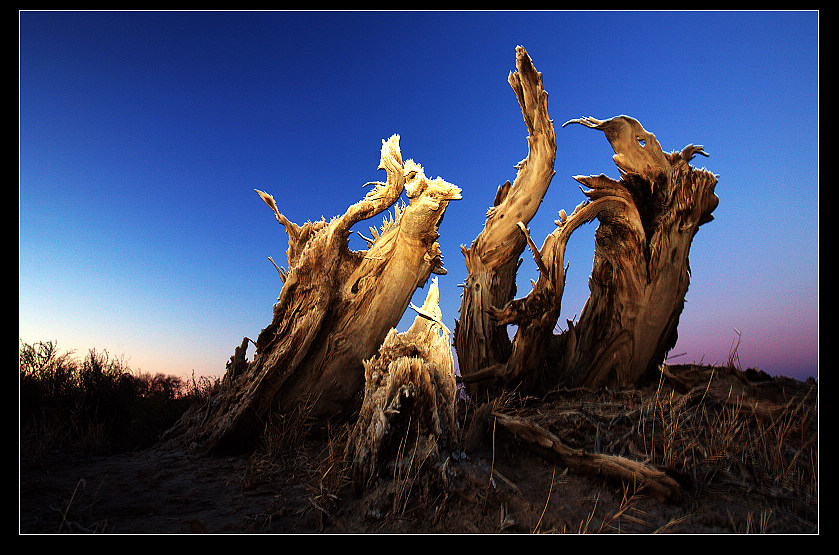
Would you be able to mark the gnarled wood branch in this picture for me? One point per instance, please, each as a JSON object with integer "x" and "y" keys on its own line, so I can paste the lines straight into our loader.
{"x": 494, "y": 256}
{"x": 611, "y": 467}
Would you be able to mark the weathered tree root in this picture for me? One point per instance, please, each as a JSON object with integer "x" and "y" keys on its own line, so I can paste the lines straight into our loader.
{"x": 409, "y": 398}
{"x": 640, "y": 273}
{"x": 655, "y": 481}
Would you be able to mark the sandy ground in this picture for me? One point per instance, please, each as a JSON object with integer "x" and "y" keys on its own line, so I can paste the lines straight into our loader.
{"x": 499, "y": 486}
{"x": 160, "y": 491}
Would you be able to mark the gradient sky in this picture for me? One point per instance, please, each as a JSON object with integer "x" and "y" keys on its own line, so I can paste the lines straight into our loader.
{"x": 144, "y": 134}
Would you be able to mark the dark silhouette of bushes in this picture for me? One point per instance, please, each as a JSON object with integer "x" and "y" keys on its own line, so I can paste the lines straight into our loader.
{"x": 96, "y": 405}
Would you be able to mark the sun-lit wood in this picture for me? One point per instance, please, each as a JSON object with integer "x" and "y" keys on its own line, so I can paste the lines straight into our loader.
{"x": 336, "y": 306}
{"x": 331, "y": 348}
{"x": 639, "y": 278}
{"x": 408, "y": 411}
{"x": 494, "y": 256}
{"x": 641, "y": 272}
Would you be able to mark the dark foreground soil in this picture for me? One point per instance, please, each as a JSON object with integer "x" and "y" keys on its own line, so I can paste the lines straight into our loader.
{"x": 495, "y": 484}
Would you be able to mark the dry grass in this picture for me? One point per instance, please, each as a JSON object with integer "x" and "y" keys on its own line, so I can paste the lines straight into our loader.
{"x": 743, "y": 447}
{"x": 746, "y": 454}
{"x": 281, "y": 450}
{"x": 750, "y": 443}
{"x": 613, "y": 521}
{"x": 291, "y": 459}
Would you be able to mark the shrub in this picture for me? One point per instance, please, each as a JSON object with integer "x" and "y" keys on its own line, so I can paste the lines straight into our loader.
{"x": 96, "y": 405}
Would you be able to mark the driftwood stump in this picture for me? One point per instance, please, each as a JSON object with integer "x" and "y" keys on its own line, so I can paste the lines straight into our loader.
{"x": 639, "y": 278}
{"x": 641, "y": 272}
{"x": 335, "y": 307}
{"x": 408, "y": 412}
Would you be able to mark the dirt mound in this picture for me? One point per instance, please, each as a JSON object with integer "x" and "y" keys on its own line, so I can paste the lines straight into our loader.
{"x": 742, "y": 447}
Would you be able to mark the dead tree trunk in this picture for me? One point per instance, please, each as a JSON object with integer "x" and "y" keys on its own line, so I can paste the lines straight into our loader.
{"x": 494, "y": 256}
{"x": 639, "y": 279}
{"x": 641, "y": 272}
{"x": 335, "y": 307}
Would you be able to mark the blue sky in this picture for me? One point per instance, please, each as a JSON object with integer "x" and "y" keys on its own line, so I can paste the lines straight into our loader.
{"x": 144, "y": 134}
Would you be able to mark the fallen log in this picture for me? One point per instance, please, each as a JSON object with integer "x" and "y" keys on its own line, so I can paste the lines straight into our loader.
{"x": 578, "y": 461}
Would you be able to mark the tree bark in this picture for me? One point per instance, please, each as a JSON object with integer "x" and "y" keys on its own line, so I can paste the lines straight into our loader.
{"x": 493, "y": 258}
{"x": 335, "y": 307}
{"x": 641, "y": 271}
